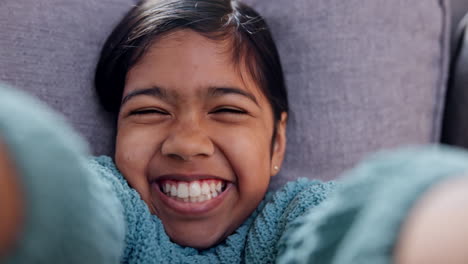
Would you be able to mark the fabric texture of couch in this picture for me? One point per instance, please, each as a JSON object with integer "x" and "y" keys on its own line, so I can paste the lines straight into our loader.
{"x": 362, "y": 75}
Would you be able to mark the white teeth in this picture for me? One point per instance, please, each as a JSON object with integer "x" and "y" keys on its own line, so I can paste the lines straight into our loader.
{"x": 173, "y": 190}
{"x": 205, "y": 188}
{"x": 195, "y": 189}
{"x": 182, "y": 190}
{"x": 194, "y": 192}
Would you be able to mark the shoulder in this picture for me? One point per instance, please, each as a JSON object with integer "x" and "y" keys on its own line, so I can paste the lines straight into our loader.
{"x": 106, "y": 169}
{"x": 143, "y": 229}
{"x": 298, "y": 196}
{"x": 278, "y": 211}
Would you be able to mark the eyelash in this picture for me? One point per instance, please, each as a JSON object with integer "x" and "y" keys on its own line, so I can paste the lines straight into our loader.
{"x": 148, "y": 111}
{"x": 230, "y": 111}
{"x": 160, "y": 112}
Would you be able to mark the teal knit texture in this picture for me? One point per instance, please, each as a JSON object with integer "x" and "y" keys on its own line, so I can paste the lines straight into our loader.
{"x": 360, "y": 223}
{"x": 253, "y": 242}
{"x": 71, "y": 214}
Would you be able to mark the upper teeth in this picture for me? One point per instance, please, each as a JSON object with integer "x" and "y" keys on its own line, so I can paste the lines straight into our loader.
{"x": 195, "y": 191}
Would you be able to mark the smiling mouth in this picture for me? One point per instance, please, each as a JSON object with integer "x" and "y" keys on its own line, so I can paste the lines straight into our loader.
{"x": 192, "y": 191}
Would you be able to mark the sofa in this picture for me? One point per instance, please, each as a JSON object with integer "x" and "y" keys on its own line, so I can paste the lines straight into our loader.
{"x": 362, "y": 75}
{"x": 455, "y": 121}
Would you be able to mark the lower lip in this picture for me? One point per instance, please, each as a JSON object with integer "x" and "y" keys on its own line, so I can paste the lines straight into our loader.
{"x": 188, "y": 208}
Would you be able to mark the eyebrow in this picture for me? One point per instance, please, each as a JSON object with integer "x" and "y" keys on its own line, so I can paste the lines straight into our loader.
{"x": 159, "y": 92}
{"x": 154, "y": 91}
{"x": 219, "y": 91}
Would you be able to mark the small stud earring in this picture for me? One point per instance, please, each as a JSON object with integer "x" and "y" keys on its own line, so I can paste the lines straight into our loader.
{"x": 276, "y": 168}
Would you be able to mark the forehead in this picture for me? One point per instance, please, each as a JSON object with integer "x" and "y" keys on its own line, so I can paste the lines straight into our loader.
{"x": 187, "y": 60}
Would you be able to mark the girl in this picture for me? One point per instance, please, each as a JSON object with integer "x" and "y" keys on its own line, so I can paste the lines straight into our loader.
{"x": 201, "y": 109}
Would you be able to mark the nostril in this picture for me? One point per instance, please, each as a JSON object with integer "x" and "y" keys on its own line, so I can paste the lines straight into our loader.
{"x": 176, "y": 157}
{"x": 187, "y": 144}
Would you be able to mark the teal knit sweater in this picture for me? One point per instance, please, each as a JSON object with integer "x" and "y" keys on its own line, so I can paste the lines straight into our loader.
{"x": 81, "y": 210}
{"x": 253, "y": 242}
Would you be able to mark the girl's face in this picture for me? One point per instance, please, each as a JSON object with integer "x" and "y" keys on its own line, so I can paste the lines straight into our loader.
{"x": 194, "y": 138}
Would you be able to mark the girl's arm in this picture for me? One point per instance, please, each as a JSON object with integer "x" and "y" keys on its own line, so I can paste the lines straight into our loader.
{"x": 436, "y": 230}
{"x": 54, "y": 206}
{"x": 11, "y": 203}
{"x": 406, "y": 206}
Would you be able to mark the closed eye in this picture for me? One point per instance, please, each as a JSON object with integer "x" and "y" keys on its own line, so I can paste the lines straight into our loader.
{"x": 229, "y": 111}
{"x": 148, "y": 112}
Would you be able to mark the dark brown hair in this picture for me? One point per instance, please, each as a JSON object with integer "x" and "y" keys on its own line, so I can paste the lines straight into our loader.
{"x": 250, "y": 37}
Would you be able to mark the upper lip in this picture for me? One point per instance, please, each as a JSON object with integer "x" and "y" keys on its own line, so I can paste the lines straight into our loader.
{"x": 186, "y": 177}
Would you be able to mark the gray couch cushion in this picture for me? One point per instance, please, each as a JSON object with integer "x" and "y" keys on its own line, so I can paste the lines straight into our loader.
{"x": 50, "y": 48}
{"x": 362, "y": 74}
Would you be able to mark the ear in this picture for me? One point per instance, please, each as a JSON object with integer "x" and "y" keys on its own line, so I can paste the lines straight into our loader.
{"x": 279, "y": 145}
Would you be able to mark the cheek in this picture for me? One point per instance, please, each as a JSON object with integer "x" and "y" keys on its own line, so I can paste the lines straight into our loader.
{"x": 248, "y": 152}
{"x": 134, "y": 149}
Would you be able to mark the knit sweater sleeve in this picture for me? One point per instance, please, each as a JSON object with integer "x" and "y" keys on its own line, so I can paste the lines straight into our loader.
{"x": 71, "y": 215}
{"x": 361, "y": 221}
{"x": 144, "y": 232}
{"x": 276, "y": 214}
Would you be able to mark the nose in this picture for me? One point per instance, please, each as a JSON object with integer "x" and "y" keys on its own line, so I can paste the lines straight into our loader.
{"x": 186, "y": 142}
